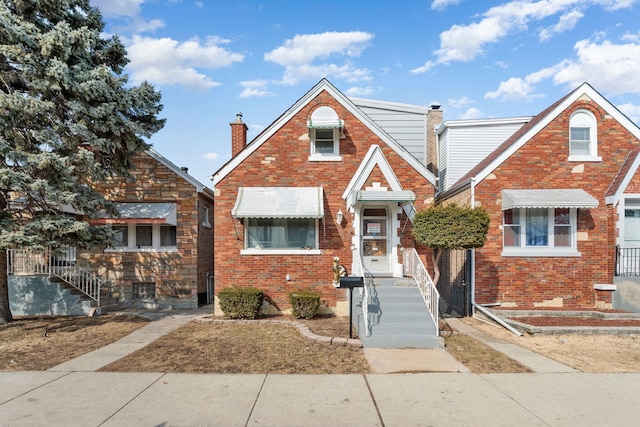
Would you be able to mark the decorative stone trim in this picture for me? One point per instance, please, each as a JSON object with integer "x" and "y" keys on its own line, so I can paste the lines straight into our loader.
{"x": 302, "y": 328}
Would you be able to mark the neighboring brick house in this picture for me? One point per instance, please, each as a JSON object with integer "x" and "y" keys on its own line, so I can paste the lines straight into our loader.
{"x": 330, "y": 177}
{"x": 562, "y": 192}
{"x": 163, "y": 251}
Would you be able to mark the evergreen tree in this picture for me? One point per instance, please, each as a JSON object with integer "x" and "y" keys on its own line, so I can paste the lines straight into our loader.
{"x": 67, "y": 118}
{"x": 450, "y": 227}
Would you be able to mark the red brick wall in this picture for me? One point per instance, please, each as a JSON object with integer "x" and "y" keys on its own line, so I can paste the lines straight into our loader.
{"x": 282, "y": 161}
{"x": 542, "y": 163}
{"x": 178, "y": 275}
{"x": 205, "y": 242}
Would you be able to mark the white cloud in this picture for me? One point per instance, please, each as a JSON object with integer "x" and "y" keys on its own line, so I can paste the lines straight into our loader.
{"x": 567, "y": 22}
{"x": 443, "y": 4}
{"x": 612, "y": 68}
{"x": 300, "y": 55}
{"x": 466, "y": 42}
{"x": 211, "y": 156}
{"x": 609, "y": 67}
{"x": 254, "y": 88}
{"x": 471, "y": 113}
{"x": 167, "y": 61}
{"x": 631, "y": 111}
{"x": 460, "y": 102}
{"x": 360, "y": 91}
{"x": 514, "y": 89}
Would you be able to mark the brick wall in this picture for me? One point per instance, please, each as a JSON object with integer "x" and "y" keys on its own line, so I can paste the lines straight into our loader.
{"x": 282, "y": 161}
{"x": 529, "y": 282}
{"x": 178, "y": 276}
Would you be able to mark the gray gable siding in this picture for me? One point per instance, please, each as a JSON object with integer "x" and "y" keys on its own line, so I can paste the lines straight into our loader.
{"x": 405, "y": 123}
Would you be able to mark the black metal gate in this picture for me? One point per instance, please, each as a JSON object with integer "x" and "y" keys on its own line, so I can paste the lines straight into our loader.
{"x": 455, "y": 283}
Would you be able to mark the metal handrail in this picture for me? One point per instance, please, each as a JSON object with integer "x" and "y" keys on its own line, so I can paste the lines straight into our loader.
{"x": 627, "y": 262}
{"x": 414, "y": 267}
{"x": 57, "y": 264}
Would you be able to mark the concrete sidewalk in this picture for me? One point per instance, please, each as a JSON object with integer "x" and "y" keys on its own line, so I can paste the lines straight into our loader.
{"x": 436, "y": 399}
{"x": 71, "y": 394}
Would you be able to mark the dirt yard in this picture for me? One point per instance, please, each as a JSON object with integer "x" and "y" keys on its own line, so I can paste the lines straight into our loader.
{"x": 41, "y": 343}
{"x": 587, "y": 353}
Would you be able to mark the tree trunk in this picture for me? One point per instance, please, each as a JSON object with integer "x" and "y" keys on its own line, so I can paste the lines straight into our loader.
{"x": 435, "y": 257}
{"x": 5, "y": 311}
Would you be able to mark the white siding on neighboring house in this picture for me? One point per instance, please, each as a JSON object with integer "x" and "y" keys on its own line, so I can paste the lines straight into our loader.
{"x": 465, "y": 143}
{"x": 406, "y": 123}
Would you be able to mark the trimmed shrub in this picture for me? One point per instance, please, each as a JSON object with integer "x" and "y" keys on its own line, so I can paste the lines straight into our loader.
{"x": 304, "y": 303}
{"x": 240, "y": 303}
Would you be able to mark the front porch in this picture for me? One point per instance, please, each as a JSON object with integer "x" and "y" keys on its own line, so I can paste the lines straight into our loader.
{"x": 50, "y": 282}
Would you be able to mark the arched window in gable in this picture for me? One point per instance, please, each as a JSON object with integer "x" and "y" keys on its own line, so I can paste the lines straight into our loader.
{"x": 583, "y": 137}
{"x": 325, "y": 128}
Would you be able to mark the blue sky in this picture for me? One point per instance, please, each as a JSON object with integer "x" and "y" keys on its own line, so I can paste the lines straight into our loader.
{"x": 478, "y": 59}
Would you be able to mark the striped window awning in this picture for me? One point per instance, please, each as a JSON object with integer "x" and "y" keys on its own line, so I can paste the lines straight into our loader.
{"x": 148, "y": 213}
{"x": 279, "y": 202}
{"x": 548, "y": 198}
{"x": 362, "y": 196}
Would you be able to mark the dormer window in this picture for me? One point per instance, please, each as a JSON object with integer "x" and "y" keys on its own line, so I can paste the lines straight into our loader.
{"x": 325, "y": 128}
{"x": 583, "y": 137}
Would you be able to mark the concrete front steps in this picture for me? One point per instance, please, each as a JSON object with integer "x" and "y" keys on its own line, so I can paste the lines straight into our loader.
{"x": 398, "y": 317}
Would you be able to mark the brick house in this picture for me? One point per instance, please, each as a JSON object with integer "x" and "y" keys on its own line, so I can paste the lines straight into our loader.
{"x": 331, "y": 177}
{"x": 563, "y": 192}
{"x": 163, "y": 251}
{"x": 162, "y": 254}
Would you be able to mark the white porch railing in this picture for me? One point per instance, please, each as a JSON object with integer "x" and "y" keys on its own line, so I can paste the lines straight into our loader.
{"x": 365, "y": 290}
{"x": 23, "y": 262}
{"x": 414, "y": 268}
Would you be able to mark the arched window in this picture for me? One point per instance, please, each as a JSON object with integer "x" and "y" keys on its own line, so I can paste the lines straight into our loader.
{"x": 583, "y": 136}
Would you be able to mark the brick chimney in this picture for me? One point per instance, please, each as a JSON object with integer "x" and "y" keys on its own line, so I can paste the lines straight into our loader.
{"x": 238, "y": 135}
{"x": 434, "y": 119}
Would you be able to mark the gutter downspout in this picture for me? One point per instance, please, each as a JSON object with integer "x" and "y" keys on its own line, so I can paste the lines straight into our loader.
{"x": 474, "y": 304}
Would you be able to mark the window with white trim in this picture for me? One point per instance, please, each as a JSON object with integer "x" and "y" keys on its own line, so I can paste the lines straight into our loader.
{"x": 539, "y": 230}
{"x": 281, "y": 233}
{"x": 325, "y": 142}
{"x": 205, "y": 216}
{"x": 324, "y": 132}
{"x": 133, "y": 237}
{"x": 583, "y": 137}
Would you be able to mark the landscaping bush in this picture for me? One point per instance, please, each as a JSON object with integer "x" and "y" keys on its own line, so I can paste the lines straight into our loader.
{"x": 240, "y": 303}
{"x": 304, "y": 303}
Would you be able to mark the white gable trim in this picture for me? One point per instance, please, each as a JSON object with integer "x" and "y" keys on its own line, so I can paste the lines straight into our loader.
{"x": 175, "y": 169}
{"x": 584, "y": 89}
{"x": 619, "y": 194}
{"x": 373, "y": 157}
{"x": 295, "y": 108}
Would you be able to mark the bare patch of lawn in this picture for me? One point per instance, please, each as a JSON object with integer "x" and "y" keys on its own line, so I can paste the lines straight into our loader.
{"x": 40, "y": 343}
{"x": 242, "y": 348}
{"x": 480, "y": 358}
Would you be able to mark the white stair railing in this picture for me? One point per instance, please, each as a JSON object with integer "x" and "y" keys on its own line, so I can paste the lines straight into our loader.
{"x": 59, "y": 264}
{"x": 365, "y": 292}
{"x": 415, "y": 268}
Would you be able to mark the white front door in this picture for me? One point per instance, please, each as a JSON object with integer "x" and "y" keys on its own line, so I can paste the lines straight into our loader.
{"x": 375, "y": 240}
{"x": 632, "y": 228}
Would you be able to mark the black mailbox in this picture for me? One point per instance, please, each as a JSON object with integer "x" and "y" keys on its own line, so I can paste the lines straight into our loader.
{"x": 351, "y": 282}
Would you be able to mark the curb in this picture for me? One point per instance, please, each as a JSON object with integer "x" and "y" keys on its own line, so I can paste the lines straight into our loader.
{"x": 302, "y": 329}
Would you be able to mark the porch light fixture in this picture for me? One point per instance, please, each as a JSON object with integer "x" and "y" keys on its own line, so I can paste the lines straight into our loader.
{"x": 339, "y": 216}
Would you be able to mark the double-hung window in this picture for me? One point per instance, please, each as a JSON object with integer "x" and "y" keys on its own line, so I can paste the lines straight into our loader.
{"x": 325, "y": 130}
{"x": 140, "y": 236}
{"x": 539, "y": 232}
{"x": 583, "y": 141}
{"x": 325, "y": 143}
